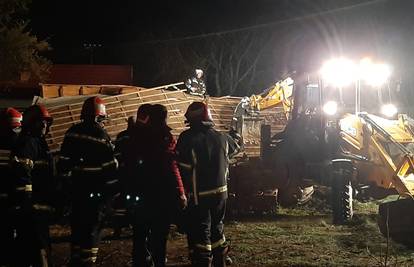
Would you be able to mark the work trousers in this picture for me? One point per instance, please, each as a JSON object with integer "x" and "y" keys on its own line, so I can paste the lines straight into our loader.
{"x": 31, "y": 246}
{"x": 150, "y": 226}
{"x": 6, "y": 232}
{"x": 86, "y": 226}
{"x": 205, "y": 229}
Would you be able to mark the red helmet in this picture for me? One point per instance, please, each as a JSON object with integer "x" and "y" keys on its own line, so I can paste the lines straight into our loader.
{"x": 36, "y": 113}
{"x": 93, "y": 108}
{"x": 198, "y": 112}
{"x": 14, "y": 118}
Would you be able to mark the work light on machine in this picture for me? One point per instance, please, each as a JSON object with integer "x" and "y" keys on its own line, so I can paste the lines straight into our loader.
{"x": 374, "y": 74}
{"x": 330, "y": 108}
{"x": 389, "y": 110}
{"x": 339, "y": 72}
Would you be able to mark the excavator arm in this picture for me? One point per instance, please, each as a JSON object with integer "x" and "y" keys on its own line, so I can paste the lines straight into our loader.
{"x": 280, "y": 93}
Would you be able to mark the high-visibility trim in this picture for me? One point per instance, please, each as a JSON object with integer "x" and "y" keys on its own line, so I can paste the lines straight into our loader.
{"x": 41, "y": 162}
{"x": 64, "y": 158}
{"x": 109, "y": 163}
{"x": 4, "y": 163}
{"x": 41, "y": 207}
{"x": 24, "y": 161}
{"x": 96, "y": 168}
{"x": 110, "y": 182}
{"x": 28, "y": 188}
{"x": 204, "y": 247}
{"x": 87, "y": 137}
{"x": 218, "y": 190}
{"x": 94, "y": 250}
{"x": 89, "y": 259}
{"x": 194, "y": 176}
{"x": 185, "y": 165}
{"x": 87, "y": 169}
{"x": 218, "y": 243}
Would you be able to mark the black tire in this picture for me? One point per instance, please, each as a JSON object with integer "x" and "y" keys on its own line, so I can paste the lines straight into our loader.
{"x": 342, "y": 195}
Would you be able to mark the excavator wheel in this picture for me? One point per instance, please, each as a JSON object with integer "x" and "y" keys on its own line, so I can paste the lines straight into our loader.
{"x": 396, "y": 221}
{"x": 342, "y": 195}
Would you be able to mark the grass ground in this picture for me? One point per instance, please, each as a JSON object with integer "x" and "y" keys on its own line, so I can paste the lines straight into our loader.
{"x": 302, "y": 236}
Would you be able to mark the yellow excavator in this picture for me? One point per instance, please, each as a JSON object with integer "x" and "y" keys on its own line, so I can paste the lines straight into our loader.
{"x": 338, "y": 136}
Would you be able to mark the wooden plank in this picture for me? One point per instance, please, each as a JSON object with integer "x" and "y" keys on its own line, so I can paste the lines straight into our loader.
{"x": 69, "y": 90}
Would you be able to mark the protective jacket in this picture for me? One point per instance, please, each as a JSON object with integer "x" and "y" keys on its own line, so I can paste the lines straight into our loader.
{"x": 33, "y": 169}
{"x": 159, "y": 177}
{"x": 203, "y": 155}
{"x": 87, "y": 154}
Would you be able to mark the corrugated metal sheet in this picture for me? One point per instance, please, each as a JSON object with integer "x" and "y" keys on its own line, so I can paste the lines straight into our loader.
{"x": 66, "y": 112}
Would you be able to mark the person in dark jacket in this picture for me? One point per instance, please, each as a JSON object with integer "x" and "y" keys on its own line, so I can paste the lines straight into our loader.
{"x": 203, "y": 155}
{"x": 33, "y": 192}
{"x": 87, "y": 158}
{"x": 158, "y": 186}
{"x": 119, "y": 205}
{"x": 10, "y": 127}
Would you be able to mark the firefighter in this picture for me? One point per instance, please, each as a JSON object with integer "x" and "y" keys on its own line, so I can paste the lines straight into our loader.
{"x": 204, "y": 154}
{"x": 87, "y": 158}
{"x": 34, "y": 190}
{"x": 159, "y": 188}
{"x": 196, "y": 85}
{"x": 10, "y": 127}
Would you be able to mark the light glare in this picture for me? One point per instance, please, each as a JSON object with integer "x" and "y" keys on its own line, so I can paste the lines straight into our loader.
{"x": 339, "y": 72}
{"x": 389, "y": 110}
{"x": 373, "y": 74}
{"x": 330, "y": 108}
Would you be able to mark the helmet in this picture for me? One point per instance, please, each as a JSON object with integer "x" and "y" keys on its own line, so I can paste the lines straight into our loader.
{"x": 198, "y": 112}
{"x": 34, "y": 114}
{"x": 199, "y": 73}
{"x": 12, "y": 118}
{"x": 93, "y": 109}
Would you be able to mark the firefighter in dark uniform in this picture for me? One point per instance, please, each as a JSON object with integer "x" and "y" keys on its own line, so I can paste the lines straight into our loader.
{"x": 34, "y": 189}
{"x": 158, "y": 186}
{"x": 204, "y": 154}
{"x": 10, "y": 127}
{"x": 87, "y": 158}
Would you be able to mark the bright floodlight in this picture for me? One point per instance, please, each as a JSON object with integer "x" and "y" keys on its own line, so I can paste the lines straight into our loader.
{"x": 339, "y": 72}
{"x": 330, "y": 108}
{"x": 389, "y": 110}
{"x": 373, "y": 74}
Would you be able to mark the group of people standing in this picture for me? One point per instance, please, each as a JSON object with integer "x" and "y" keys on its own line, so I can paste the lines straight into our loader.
{"x": 158, "y": 176}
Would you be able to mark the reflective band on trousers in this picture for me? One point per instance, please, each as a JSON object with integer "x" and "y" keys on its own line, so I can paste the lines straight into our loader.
{"x": 218, "y": 190}
{"x": 89, "y": 255}
{"x": 26, "y": 188}
{"x": 218, "y": 243}
{"x": 204, "y": 247}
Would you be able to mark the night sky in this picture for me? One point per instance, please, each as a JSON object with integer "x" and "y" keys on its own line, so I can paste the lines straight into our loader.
{"x": 304, "y": 32}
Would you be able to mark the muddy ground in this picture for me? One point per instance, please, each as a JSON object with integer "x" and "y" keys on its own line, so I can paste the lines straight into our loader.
{"x": 303, "y": 236}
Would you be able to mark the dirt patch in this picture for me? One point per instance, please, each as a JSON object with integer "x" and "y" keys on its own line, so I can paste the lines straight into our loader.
{"x": 294, "y": 237}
